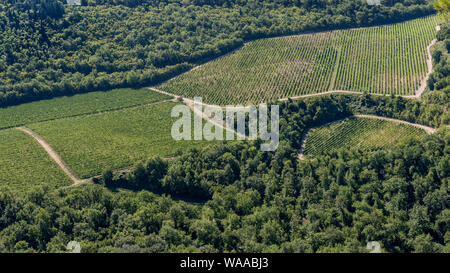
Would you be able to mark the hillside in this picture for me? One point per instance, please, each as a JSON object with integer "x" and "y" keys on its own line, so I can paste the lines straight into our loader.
{"x": 366, "y": 60}
{"x": 89, "y": 154}
{"x": 359, "y": 133}
{"x": 50, "y": 49}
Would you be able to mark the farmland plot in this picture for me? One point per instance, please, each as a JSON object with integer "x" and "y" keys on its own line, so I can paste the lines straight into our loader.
{"x": 362, "y": 133}
{"x": 24, "y": 165}
{"x": 387, "y": 59}
{"x": 79, "y": 104}
{"x": 91, "y": 144}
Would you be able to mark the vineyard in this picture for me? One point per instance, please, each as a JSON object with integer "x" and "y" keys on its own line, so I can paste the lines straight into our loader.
{"x": 92, "y": 144}
{"x": 24, "y": 165}
{"x": 361, "y": 133}
{"x": 80, "y": 104}
{"x": 387, "y": 59}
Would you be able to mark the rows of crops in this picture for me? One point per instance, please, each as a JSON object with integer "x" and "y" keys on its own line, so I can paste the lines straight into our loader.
{"x": 362, "y": 133}
{"x": 24, "y": 165}
{"x": 80, "y": 104}
{"x": 385, "y": 59}
{"x": 261, "y": 71}
{"x": 91, "y": 144}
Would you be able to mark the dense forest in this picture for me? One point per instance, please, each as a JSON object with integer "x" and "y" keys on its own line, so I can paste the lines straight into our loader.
{"x": 228, "y": 197}
{"x": 234, "y": 198}
{"x": 296, "y": 117}
{"x": 50, "y": 49}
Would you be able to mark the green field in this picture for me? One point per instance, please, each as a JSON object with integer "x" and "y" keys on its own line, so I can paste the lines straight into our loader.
{"x": 80, "y": 104}
{"x": 91, "y": 144}
{"x": 385, "y": 59}
{"x": 24, "y": 164}
{"x": 362, "y": 133}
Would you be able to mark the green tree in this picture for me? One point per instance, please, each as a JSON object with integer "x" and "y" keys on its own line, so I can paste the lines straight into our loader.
{"x": 443, "y": 9}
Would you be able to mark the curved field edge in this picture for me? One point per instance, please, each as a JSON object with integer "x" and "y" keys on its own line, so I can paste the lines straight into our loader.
{"x": 24, "y": 165}
{"x": 362, "y": 132}
{"x": 77, "y": 105}
{"x": 53, "y": 155}
{"x": 114, "y": 140}
{"x": 347, "y": 60}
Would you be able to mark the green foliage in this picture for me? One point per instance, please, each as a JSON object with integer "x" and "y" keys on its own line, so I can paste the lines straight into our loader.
{"x": 361, "y": 133}
{"x": 369, "y": 59}
{"x": 81, "y": 104}
{"x": 50, "y": 52}
{"x": 91, "y": 144}
{"x": 339, "y": 202}
{"x": 24, "y": 165}
{"x": 443, "y": 9}
{"x": 240, "y": 199}
{"x": 439, "y": 80}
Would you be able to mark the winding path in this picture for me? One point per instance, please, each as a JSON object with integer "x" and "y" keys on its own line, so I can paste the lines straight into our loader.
{"x": 417, "y": 93}
{"x": 77, "y": 181}
{"x": 195, "y": 108}
{"x": 189, "y": 102}
{"x": 423, "y": 84}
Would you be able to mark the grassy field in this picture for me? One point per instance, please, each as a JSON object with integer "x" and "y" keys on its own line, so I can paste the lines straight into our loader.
{"x": 385, "y": 59}
{"x": 363, "y": 133}
{"x": 91, "y": 144}
{"x": 24, "y": 164}
{"x": 80, "y": 104}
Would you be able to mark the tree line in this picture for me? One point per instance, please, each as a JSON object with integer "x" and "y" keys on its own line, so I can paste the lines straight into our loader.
{"x": 49, "y": 49}
{"x": 255, "y": 202}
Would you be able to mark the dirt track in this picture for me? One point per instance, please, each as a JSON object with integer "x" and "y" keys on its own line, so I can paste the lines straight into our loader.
{"x": 417, "y": 93}
{"x": 423, "y": 83}
{"x": 53, "y": 155}
{"x": 427, "y": 129}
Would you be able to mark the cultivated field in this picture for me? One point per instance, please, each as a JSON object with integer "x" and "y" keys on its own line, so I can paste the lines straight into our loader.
{"x": 385, "y": 59}
{"x": 91, "y": 144}
{"x": 362, "y": 133}
{"x": 24, "y": 164}
{"x": 80, "y": 104}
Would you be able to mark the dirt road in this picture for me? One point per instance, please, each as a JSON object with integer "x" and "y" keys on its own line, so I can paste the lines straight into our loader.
{"x": 427, "y": 129}
{"x": 53, "y": 155}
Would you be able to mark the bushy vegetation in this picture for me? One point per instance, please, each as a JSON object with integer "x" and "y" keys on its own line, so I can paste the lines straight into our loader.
{"x": 298, "y": 116}
{"x": 367, "y": 60}
{"x": 76, "y": 105}
{"x": 256, "y": 202}
{"x": 48, "y": 49}
{"x": 113, "y": 140}
{"x": 245, "y": 200}
{"x": 24, "y": 165}
{"x": 361, "y": 133}
{"x": 440, "y": 78}
{"x": 228, "y": 197}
